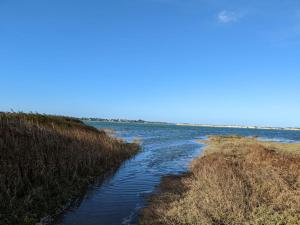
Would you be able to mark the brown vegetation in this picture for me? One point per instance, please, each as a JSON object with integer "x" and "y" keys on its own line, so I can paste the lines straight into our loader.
{"x": 47, "y": 160}
{"x": 237, "y": 181}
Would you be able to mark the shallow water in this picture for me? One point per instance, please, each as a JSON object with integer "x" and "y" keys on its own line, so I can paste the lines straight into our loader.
{"x": 166, "y": 149}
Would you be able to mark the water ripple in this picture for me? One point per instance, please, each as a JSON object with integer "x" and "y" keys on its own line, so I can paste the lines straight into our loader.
{"x": 166, "y": 149}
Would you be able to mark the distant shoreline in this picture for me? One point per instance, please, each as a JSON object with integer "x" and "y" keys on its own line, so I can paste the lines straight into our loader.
{"x": 124, "y": 121}
{"x": 238, "y": 126}
{"x": 189, "y": 124}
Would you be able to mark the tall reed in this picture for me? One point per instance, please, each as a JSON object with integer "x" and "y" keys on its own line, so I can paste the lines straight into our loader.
{"x": 47, "y": 160}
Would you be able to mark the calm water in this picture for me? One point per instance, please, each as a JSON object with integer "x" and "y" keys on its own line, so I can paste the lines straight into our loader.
{"x": 166, "y": 149}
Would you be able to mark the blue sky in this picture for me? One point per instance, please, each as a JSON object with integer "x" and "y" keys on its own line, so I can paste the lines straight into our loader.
{"x": 199, "y": 61}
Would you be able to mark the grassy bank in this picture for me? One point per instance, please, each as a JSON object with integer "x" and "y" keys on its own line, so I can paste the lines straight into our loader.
{"x": 236, "y": 181}
{"x": 47, "y": 160}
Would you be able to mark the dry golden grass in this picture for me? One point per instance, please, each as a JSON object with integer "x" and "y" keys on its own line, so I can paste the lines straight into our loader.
{"x": 47, "y": 160}
{"x": 236, "y": 181}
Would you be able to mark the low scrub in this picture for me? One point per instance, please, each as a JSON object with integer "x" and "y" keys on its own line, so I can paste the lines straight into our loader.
{"x": 45, "y": 161}
{"x": 236, "y": 181}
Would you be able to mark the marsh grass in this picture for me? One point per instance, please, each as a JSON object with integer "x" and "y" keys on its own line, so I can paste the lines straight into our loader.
{"x": 47, "y": 160}
{"x": 236, "y": 181}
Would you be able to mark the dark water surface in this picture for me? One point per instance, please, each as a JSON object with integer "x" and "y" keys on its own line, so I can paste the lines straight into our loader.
{"x": 167, "y": 149}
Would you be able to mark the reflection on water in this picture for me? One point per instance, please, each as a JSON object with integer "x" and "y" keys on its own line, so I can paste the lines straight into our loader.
{"x": 166, "y": 149}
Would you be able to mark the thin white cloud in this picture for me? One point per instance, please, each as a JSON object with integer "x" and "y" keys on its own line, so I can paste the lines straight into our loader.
{"x": 228, "y": 16}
